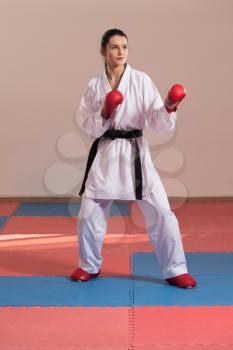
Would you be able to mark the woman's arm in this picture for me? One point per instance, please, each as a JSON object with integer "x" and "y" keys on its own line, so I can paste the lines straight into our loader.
{"x": 157, "y": 116}
{"x": 92, "y": 123}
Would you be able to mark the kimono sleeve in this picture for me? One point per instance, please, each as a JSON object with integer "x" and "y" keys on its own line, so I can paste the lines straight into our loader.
{"x": 91, "y": 121}
{"x": 155, "y": 112}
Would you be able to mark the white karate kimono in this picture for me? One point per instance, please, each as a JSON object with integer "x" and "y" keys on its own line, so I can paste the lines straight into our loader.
{"x": 112, "y": 174}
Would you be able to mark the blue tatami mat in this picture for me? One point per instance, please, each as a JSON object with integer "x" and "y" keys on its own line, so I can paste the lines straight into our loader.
{"x": 47, "y": 209}
{"x": 208, "y": 264}
{"x": 210, "y": 291}
{"x": 213, "y": 272}
{"x": 3, "y": 220}
{"x": 61, "y": 291}
{"x": 63, "y": 209}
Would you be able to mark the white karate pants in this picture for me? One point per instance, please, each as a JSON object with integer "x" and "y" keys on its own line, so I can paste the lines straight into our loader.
{"x": 161, "y": 225}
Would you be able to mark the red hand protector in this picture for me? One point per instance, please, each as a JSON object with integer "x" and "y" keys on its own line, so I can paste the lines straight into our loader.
{"x": 112, "y": 100}
{"x": 174, "y": 97}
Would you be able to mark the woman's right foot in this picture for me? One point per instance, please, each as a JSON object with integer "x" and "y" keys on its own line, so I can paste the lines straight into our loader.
{"x": 82, "y": 275}
{"x": 182, "y": 281}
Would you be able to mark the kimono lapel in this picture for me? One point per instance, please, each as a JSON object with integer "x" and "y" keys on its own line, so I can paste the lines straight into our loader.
{"x": 123, "y": 83}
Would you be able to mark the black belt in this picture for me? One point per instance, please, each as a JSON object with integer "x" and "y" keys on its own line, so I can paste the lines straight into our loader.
{"x": 113, "y": 134}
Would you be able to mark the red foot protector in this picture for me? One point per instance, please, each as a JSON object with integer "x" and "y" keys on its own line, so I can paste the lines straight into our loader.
{"x": 182, "y": 281}
{"x": 82, "y": 275}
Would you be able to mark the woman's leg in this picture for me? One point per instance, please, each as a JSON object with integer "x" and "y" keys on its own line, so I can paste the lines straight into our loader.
{"x": 164, "y": 233}
{"x": 92, "y": 225}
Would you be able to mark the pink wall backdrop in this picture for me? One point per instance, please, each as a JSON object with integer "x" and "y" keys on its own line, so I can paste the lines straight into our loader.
{"x": 50, "y": 50}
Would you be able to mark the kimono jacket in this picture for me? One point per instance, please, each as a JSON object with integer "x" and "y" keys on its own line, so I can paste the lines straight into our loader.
{"x": 112, "y": 174}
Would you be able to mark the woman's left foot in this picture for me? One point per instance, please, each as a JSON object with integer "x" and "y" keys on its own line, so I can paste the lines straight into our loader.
{"x": 82, "y": 275}
{"x": 182, "y": 281}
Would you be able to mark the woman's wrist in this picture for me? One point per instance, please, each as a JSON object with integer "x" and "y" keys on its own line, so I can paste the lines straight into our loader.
{"x": 104, "y": 115}
{"x": 170, "y": 106}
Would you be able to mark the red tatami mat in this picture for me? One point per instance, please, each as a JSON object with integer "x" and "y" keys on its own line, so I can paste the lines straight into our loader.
{"x": 63, "y": 328}
{"x": 108, "y": 328}
{"x": 178, "y": 347}
{"x": 196, "y": 217}
{"x": 8, "y": 208}
{"x": 57, "y": 225}
{"x": 190, "y": 325}
{"x": 57, "y": 260}
{"x": 39, "y": 225}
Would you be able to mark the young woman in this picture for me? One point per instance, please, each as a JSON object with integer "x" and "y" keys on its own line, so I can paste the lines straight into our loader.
{"x": 115, "y": 109}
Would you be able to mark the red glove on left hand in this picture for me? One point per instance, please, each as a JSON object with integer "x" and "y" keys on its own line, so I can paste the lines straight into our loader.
{"x": 174, "y": 97}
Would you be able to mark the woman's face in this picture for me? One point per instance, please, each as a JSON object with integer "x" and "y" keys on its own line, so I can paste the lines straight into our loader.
{"x": 116, "y": 51}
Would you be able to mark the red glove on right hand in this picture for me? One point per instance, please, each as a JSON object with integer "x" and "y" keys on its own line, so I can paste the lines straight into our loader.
{"x": 112, "y": 100}
{"x": 174, "y": 97}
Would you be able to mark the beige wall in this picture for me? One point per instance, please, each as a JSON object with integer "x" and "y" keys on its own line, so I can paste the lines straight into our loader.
{"x": 49, "y": 51}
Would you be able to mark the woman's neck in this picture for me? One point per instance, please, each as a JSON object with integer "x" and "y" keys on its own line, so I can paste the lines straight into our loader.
{"x": 115, "y": 73}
